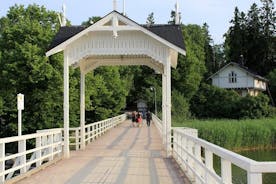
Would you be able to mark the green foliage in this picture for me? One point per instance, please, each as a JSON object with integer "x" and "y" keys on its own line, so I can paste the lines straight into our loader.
{"x": 187, "y": 76}
{"x": 25, "y": 34}
{"x": 91, "y": 20}
{"x": 253, "y": 106}
{"x": 150, "y": 19}
{"x": 235, "y": 134}
{"x": 213, "y": 102}
{"x": 180, "y": 106}
{"x": 253, "y": 36}
{"x": 272, "y": 83}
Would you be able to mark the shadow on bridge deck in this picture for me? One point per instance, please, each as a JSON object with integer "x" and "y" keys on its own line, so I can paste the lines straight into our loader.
{"x": 123, "y": 155}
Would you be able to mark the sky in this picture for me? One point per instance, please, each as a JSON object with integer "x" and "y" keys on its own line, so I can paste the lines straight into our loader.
{"x": 216, "y": 13}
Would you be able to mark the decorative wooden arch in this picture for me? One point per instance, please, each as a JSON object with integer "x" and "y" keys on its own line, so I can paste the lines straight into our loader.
{"x": 118, "y": 40}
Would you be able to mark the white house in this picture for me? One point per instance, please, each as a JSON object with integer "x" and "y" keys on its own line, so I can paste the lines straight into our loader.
{"x": 239, "y": 78}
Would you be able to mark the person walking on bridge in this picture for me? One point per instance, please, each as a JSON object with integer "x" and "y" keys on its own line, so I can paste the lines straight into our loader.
{"x": 148, "y": 117}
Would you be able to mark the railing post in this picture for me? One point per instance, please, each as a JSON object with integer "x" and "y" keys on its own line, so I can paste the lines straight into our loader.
{"x": 183, "y": 152}
{"x": 51, "y": 148}
{"x": 38, "y": 152}
{"x": 190, "y": 159}
{"x": 226, "y": 171}
{"x": 2, "y": 162}
{"x": 60, "y": 140}
{"x": 209, "y": 165}
{"x": 77, "y": 139}
{"x": 254, "y": 178}
{"x": 198, "y": 168}
{"x": 179, "y": 147}
{"x": 22, "y": 149}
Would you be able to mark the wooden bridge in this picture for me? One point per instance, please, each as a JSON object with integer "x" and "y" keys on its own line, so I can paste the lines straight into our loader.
{"x": 116, "y": 152}
{"x": 124, "y": 155}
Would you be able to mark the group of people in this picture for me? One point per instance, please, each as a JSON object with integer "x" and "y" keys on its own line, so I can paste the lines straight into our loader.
{"x": 137, "y": 118}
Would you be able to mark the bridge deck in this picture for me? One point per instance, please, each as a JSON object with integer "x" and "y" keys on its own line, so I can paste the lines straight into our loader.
{"x": 123, "y": 155}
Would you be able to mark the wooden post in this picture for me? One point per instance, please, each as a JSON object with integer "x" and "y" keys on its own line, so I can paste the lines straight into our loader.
{"x": 38, "y": 152}
{"x": 66, "y": 105}
{"x": 226, "y": 171}
{"x": 22, "y": 149}
{"x": 167, "y": 70}
{"x": 51, "y": 148}
{"x": 198, "y": 168}
{"x": 2, "y": 163}
{"x": 77, "y": 139}
{"x": 209, "y": 165}
{"x": 163, "y": 109}
{"x": 254, "y": 178}
{"x": 82, "y": 109}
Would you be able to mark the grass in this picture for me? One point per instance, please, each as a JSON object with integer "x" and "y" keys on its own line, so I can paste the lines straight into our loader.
{"x": 235, "y": 134}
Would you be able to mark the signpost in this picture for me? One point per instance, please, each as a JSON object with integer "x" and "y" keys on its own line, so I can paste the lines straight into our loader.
{"x": 20, "y": 107}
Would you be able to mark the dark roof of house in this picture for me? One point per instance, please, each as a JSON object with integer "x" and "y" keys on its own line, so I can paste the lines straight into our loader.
{"x": 253, "y": 73}
{"x": 171, "y": 33}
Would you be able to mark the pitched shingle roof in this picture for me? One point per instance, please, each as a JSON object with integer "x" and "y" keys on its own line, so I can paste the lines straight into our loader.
{"x": 64, "y": 34}
{"x": 171, "y": 33}
{"x": 252, "y": 73}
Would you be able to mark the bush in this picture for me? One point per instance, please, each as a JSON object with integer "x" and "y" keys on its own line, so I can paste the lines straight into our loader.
{"x": 254, "y": 107}
{"x": 180, "y": 106}
{"x": 214, "y": 102}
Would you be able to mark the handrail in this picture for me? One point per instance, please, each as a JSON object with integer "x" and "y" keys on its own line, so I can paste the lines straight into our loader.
{"x": 48, "y": 145}
{"x": 187, "y": 149}
{"x": 158, "y": 123}
{"x": 93, "y": 130}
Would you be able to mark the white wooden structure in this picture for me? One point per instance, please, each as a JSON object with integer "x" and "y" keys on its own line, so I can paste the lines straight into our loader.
{"x": 237, "y": 77}
{"x": 117, "y": 40}
{"x": 188, "y": 149}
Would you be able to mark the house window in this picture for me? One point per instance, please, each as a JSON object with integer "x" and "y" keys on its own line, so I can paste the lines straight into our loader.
{"x": 232, "y": 77}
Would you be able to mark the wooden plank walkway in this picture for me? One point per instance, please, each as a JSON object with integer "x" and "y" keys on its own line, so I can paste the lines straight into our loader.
{"x": 124, "y": 155}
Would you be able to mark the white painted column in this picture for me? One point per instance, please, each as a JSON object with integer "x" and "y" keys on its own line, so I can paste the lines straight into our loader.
{"x": 82, "y": 109}
{"x": 164, "y": 108}
{"x": 167, "y": 70}
{"x": 66, "y": 105}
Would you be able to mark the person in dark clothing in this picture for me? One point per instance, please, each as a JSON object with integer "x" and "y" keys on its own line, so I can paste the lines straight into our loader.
{"x": 148, "y": 117}
{"x": 133, "y": 118}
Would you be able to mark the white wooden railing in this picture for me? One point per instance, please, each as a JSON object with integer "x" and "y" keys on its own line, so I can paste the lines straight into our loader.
{"x": 195, "y": 157}
{"x": 93, "y": 130}
{"x": 47, "y": 145}
{"x": 158, "y": 123}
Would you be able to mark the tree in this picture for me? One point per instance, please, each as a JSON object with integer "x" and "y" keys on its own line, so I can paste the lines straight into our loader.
{"x": 150, "y": 19}
{"x": 90, "y": 21}
{"x": 268, "y": 20}
{"x": 219, "y": 56}
{"x": 187, "y": 77}
{"x": 235, "y": 37}
{"x": 209, "y": 54}
{"x": 272, "y": 83}
{"x": 254, "y": 51}
{"x": 25, "y": 34}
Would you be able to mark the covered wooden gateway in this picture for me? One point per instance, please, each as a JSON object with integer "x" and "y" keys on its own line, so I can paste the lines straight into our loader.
{"x": 117, "y": 40}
